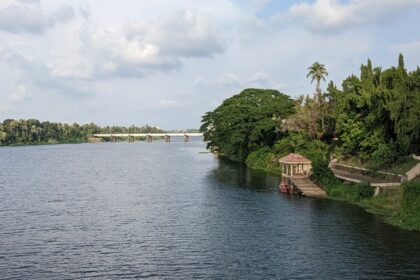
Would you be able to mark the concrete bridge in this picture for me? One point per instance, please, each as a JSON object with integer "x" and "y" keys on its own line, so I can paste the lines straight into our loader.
{"x": 149, "y": 136}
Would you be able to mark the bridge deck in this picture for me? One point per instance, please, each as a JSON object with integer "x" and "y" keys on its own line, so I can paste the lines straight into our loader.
{"x": 308, "y": 188}
{"x": 148, "y": 134}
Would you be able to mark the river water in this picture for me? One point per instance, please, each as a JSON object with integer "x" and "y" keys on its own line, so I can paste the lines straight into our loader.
{"x": 169, "y": 211}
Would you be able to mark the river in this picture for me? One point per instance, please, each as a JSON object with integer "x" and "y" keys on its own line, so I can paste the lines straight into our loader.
{"x": 169, "y": 211}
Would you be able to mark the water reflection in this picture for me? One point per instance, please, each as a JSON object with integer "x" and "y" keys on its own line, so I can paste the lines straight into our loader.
{"x": 239, "y": 175}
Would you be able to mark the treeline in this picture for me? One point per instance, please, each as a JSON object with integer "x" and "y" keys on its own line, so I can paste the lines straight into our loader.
{"x": 32, "y": 131}
{"x": 375, "y": 117}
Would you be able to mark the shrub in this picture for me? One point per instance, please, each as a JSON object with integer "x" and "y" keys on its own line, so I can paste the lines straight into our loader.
{"x": 384, "y": 155}
{"x": 364, "y": 190}
{"x": 263, "y": 159}
{"x": 322, "y": 173}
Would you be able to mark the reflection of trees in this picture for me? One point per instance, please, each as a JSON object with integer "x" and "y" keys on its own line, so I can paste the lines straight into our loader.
{"x": 239, "y": 175}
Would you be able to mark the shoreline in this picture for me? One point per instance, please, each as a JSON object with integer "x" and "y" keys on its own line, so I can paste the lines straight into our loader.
{"x": 386, "y": 206}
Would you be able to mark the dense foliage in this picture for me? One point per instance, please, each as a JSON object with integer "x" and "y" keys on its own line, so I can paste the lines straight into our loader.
{"x": 377, "y": 114}
{"x": 410, "y": 206}
{"x": 246, "y": 122}
{"x": 31, "y": 131}
{"x": 374, "y": 117}
{"x": 264, "y": 159}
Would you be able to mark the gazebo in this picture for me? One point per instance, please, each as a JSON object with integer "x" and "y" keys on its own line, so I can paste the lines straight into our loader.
{"x": 295, "y": 166}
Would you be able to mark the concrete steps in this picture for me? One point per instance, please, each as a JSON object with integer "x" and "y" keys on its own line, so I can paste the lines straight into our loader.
{"x": 308, "y": 188}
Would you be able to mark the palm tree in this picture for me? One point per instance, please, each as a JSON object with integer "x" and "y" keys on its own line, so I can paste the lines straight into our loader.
{"x": 318, "y": 72}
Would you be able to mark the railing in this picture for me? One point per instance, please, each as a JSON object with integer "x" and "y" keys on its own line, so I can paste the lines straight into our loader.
{"x": 148, "y": 134}
{"x": 366, "y": 172}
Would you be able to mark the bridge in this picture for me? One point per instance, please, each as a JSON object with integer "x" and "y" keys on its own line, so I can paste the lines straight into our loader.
{"x": 149, "y": 136}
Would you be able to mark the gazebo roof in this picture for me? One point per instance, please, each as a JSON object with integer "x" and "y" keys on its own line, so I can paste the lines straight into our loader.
{"x": 294, "y": 158}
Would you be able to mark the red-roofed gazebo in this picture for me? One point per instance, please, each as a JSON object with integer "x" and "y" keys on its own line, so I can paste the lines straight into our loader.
{"x": 295, "y": 165}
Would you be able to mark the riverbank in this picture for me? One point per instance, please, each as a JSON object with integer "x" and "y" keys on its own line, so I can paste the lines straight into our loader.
{"x": 400, "y": 207}
{"x": 71, "y": 142}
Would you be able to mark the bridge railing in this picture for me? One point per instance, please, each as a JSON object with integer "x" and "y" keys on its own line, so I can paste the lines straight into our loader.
{"x": 149, "y": 136}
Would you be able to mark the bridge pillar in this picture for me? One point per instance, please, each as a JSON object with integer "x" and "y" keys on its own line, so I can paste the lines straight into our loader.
{"x": 113, "y": 139}
{"x": 130, "y": 139}
{"x": 186, "y": 138}
{"x": 149, "y": 138}
{"x": 167, "y": 138}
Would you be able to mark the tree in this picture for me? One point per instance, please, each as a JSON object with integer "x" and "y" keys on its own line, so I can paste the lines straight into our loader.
{"x": 318, "y": 72}
{"x": 246, "y": 122}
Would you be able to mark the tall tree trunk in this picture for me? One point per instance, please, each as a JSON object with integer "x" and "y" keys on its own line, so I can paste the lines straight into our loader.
{"x": 319, "y": 103}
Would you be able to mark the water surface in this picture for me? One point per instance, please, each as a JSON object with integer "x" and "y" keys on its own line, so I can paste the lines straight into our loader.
{"x": 166, "y": 211}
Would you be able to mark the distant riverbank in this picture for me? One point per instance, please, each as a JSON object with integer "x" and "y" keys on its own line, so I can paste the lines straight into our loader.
{"x": 34, "y": 132}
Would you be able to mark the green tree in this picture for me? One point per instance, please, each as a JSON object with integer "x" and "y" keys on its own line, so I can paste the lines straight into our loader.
{"x": 317, "y": 72}
{"x": 246, "y": 122}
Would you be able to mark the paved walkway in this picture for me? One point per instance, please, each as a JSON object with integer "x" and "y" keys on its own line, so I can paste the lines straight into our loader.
{"x": 357, "y": 177}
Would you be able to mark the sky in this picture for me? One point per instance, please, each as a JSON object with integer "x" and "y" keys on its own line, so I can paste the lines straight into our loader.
{"x": 166, "y": 63}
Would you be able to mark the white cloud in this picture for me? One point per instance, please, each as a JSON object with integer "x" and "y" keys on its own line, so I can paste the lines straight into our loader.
{"x": 332, "y": 15}
{"x": 185, "y": 34}
{"x": 112, "y": 54}
{"x": 411, "y": 47}
{"x": 411, "y": 51}
{"x": 260, "y": 77}
{"x": 19, "y": 94}
{"x": 145, "y": 48}
{"x": 29, "y": 17}
{"x": 227, "y": 80}
{"x": 34, "y": 72}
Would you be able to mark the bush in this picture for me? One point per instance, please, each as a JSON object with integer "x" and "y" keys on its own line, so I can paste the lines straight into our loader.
{"x": 364, "y": 190}
{"x": 322, "y": 173}
{"x": 263, "y": 159}
{"x": 384, "y": 155}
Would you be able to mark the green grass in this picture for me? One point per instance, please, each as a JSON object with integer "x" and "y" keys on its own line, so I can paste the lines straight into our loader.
{"x": 409, "y": 215}
{"x": 387, "y": 205}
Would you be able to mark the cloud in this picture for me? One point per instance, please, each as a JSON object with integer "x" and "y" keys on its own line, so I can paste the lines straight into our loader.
{"x": 410, "y": 50}
{"x": 144, "y": 48}
{"x": 260, "y": 77}
{"x": 227, "y": 80}
{"x": 19, "y": 95}
{"x": 183, "y": 34}
{"x": 334, "y": 16}
{"x": 411, "y": 47}
{"x": 112, "y": 54}
{"x": 29, "y": 17}
{"x": 34, "y": 72}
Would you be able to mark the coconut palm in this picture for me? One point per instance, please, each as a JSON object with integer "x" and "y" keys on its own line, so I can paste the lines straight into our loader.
{"x": 318, "y": 72}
